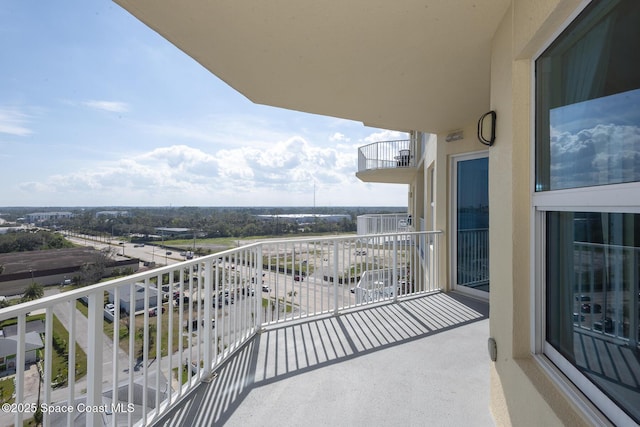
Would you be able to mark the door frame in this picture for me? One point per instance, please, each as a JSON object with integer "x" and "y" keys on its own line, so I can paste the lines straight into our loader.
{"x": 453, "y": 223}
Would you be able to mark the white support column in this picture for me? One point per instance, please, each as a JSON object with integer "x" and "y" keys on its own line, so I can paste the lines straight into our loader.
{"x": 206, "y": 324}
{"x": 20, "y": 360}
{"x": 94, "y": 358}
{"x": 258, "y": 291}
{"x": 335, "y": 277}
{"x": 115, "y": 343}
{"x": 71, "y": 365}
{"x": 394, "y": 278}
{"x": 48, "y": 351}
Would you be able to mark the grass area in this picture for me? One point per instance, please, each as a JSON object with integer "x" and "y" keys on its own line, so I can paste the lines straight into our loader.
{"x": 6, "y": 390}
{"x": 123, "y": 331}
{"x": 59, "y": 359}
{"x": 232, "y": 242}
{"x": 164, "y": 343}
{"x": 184, "y": 374}
{"x": 288, "y": 306}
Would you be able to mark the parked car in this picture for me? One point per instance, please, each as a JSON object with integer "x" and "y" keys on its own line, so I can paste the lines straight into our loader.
{"x": 110, "y": 308}
{"x": 298, "y": 278}
{"x": 154, "y": 311}
{"x": 583, "y": 298}
{"x": 606, "y": 324}
{"x": 265, "y": 288}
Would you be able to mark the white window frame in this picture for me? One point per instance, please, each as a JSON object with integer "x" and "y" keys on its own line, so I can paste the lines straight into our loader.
{"x": 612, "y": 198}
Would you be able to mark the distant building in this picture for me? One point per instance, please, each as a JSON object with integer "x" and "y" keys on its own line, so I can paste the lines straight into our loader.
{"x": 36, "y": 217}
{"x": 124, "y": 296}
{"x": 306, "y": 218}
{"x": 8, "y": 350}
{"x": 114, "y": 214}
{"x": 174, "y": 232}
{"x": 50, "y": 267}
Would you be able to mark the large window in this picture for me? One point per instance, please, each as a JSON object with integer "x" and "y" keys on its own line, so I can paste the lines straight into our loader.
{"x": 587, "y": 199}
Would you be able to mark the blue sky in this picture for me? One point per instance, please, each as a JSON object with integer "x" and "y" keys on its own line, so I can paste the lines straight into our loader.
{"x": 96, "y": 109}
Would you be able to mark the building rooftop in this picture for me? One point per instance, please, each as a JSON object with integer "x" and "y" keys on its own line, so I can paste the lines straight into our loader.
{"x": 18, "y": 262}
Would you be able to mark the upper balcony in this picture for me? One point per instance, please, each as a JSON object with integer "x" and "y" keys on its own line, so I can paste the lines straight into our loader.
{"x": 147, "y": 346}
{"x": 384, "y": 223}
{"x": 387, "y": 162}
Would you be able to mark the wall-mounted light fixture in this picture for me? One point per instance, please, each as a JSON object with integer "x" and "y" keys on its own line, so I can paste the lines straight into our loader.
{"x": 454, "y": 136}
{"x": 482, "y": 128}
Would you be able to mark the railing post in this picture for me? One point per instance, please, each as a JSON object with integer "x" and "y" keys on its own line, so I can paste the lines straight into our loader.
{"x": 71, "y": 362}
{"x": 335, "y": 277}
{"x": 208, "y": 301}
{"x": 94, "y": 358}
{"x": 258, "y": 291}
{"x": 394, "y": 279}
{"x": 20, "y": 361}
{"x": 46, "y": 372}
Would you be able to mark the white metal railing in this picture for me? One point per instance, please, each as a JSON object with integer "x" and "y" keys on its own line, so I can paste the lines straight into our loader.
{"x": 384, "y": 223}
{"x": 607, "y": 297}
{"x": 386, "y": 154}
{"x": 473, "y": 257}
{"x": 174, "y": 325}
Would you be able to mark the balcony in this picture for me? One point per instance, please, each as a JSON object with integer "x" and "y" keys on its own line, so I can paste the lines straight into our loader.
{"x": 384, "y": 223}
{"x": 342, "y": 324}
{"x": 387, "y": 162}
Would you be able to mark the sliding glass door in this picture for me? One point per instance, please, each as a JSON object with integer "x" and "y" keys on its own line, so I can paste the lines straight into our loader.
{"x": 470, "y": 223}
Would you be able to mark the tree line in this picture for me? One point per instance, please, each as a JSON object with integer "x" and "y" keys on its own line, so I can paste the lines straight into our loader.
{"x": 32, "y": 241}
{"x": 206, "y": 222}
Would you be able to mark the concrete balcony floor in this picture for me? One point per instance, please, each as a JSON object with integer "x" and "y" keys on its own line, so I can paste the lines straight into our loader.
{"x": 421, "y": 361}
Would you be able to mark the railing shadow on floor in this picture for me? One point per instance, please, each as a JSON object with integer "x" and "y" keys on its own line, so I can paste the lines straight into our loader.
{"x": 292, "y": 349}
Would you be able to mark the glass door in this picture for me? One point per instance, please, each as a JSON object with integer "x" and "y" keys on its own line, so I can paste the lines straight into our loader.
{"x": 470, "y": 223}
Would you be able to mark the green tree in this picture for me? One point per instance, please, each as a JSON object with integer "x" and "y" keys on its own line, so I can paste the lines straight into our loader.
{"x": 34, "y": 291}
{"x": 148, "y": 340}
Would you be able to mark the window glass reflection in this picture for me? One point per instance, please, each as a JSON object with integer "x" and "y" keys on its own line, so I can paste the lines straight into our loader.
{"x": 593, "y": 296}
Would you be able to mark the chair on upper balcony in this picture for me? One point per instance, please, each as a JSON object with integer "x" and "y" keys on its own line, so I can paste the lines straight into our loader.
{"x": 403, "y": 159}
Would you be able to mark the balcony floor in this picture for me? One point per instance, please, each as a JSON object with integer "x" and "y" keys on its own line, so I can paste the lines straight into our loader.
{"x": 417, "y": 362}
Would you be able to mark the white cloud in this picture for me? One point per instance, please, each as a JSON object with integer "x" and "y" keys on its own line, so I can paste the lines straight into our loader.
{"x": 112, "y": 106}
{"x": 286, "y": 172}
{"x": 386, "y": 135}
{"x": 13, "y": 122}
{"x": 339, "y": 137}
{"x": 603, "y": 154}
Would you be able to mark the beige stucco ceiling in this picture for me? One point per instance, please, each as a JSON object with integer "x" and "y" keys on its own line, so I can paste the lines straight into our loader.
{"x": 404, "y": 64}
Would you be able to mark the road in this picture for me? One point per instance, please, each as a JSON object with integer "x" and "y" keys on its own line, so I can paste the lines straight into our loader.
{"x": 146, "y": 253}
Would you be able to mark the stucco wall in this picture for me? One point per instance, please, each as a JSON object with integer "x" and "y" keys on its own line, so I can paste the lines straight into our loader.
{"x": 522, "y": 391}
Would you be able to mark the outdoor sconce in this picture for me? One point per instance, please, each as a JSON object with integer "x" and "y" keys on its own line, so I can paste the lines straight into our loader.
{"x": 481, "y": 128}
{"x": 493, "y": 349}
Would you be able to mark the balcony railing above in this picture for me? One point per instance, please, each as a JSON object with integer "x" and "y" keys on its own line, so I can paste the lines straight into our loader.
{"x": 130, "y": 349}
{"x": 384, "y": 223}
{"x": 385, "y": 155}
{"x": 387, "y": 161}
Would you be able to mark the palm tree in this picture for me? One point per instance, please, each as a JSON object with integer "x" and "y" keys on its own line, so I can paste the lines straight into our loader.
{"x": 33, "y": 291}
